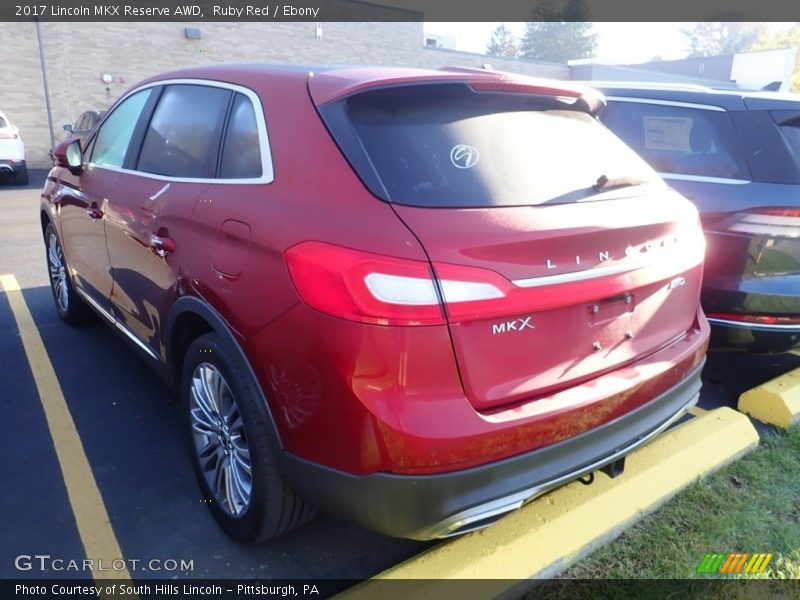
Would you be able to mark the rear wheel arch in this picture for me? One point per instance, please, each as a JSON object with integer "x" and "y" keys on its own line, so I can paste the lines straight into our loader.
{"x": 45, "y": 220}
{"x": 191, "y": 317}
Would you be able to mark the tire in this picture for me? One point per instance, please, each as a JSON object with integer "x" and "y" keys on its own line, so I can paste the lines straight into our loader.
{"x": 69, "y": 305}
{"x": 225, "y": 443}
{"x": 21, "y": 177}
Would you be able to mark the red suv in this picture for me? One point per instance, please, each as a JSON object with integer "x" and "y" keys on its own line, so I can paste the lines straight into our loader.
{"x": 415, "y": 299}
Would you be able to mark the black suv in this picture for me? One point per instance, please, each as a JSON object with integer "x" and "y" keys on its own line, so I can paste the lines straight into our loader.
{"x": 736, "y": 155}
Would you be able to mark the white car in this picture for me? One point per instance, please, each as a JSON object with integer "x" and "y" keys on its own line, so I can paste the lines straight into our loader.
{"x": 12, "y": 152}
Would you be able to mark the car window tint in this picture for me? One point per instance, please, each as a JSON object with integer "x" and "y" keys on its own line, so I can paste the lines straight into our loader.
{"x": 788, "y": 125}
{"x": 3, "y": 123}
{"x": 112, "y": 141}
{"x": 241, "y": 153}
{"x": 445, "y": 145}
{"x": 184, "y": 133}
{"x": 677, "y": 139}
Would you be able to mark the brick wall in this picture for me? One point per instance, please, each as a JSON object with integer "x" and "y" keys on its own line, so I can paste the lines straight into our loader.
{"x": 78, "y": 54}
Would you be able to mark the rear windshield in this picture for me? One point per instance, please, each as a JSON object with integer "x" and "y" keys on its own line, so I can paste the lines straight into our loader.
{"x": 446, "y": 145}
{"x": 679, "y": 139}
{"x": 3, "y": 123}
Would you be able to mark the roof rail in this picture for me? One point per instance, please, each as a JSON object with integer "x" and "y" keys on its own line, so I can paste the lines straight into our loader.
{"x": 663, "y": 85}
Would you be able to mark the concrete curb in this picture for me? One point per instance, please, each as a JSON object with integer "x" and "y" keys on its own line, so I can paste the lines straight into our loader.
{"x": 558, "y": 529}
{"x": 776, "y": 402}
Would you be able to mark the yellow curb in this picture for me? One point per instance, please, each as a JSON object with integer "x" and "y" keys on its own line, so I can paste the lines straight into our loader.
{"x": 554, "y": 531}
{"x": 776, "y": 402}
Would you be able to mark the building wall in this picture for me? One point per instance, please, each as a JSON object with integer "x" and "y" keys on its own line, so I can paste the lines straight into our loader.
{"x": 78, "y": 54}
{"x": 22, "y": 92}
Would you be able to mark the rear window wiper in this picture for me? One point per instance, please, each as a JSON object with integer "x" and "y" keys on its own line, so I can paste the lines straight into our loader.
{"x": 604, "y": 183}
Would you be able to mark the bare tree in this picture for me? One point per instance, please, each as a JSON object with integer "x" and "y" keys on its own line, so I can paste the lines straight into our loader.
{"x": 502, "y": 43}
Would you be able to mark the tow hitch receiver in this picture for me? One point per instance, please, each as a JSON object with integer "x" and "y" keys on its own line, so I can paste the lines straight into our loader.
{"x": 613, "y": 469}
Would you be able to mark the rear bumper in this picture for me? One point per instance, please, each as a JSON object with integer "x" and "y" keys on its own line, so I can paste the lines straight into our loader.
{"x": 435, "y": 506}
{"x": 773, "y": 295}
{"x": 751, "y": 337}
{"x": 9, "y": 168}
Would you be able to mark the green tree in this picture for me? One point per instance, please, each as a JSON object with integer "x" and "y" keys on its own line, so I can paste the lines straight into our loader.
{"x": 502, "y": 43}
{"x": 558, "y": 33}
{"x": 713, "y": 39}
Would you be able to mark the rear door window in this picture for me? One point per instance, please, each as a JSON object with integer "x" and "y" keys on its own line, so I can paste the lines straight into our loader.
{"x": 679, "y": 139}
{"x": 183, "y": 137}
{"x": 445, "y": 145}
{"x": 111, "y": 143}
{"x": 241, "y": 151}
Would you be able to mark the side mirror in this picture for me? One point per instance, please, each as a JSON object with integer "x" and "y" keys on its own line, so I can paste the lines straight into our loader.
{"x": 67, "y": 127}
{"x": 67, "y": 154}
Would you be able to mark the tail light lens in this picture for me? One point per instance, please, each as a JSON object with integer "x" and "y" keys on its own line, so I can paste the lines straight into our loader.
{"x": 8, "y": 136}
{"x": 775, "y": 222}
{"x": 382, "y": 290}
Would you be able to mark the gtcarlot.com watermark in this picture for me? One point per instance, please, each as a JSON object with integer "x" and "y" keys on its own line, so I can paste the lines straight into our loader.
{"x": 49, "y": 563}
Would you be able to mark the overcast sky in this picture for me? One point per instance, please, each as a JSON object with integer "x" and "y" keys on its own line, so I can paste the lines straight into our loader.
{"x": 617, "y": 42}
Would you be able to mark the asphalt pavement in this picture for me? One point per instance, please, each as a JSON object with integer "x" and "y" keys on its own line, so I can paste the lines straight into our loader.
{"x": 131, "y": 432}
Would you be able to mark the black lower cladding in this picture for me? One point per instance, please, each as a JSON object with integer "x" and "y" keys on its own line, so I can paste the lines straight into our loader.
{"x": 413, "y": 506}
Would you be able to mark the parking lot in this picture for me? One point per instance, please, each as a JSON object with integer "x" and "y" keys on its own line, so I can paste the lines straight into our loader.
{"x": 133, "y": 441}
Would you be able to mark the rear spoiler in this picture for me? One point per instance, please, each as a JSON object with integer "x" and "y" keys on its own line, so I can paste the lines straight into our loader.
{"x": 587, "y": 99}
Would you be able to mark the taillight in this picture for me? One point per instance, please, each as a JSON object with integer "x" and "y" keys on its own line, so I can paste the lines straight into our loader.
{"x": 771, "y": 221}
{"x": 8, "y": 136}
{"x": 383, "y": 290}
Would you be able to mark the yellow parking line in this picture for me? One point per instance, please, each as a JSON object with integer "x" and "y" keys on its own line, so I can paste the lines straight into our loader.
{"x": 94, "y": 526}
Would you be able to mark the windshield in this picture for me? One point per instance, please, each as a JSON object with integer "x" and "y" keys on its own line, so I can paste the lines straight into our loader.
{"x": 448, "y": 146}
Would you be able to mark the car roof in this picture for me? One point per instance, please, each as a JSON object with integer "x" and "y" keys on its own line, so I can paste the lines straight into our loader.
{"x": 334, "y": 81}
{"x": 696, "y": 94}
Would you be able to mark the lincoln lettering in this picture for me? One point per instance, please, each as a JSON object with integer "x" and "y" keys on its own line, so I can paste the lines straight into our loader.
{"x": 605, "y": 255}
{"x": 70, "y": 11}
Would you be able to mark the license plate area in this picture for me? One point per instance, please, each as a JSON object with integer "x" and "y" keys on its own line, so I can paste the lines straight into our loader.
{"x": 609, "y": 309}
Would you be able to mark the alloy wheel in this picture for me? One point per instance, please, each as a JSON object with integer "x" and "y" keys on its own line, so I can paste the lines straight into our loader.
{"x": 219, "y": 439}
{"x": 58, "y": 273}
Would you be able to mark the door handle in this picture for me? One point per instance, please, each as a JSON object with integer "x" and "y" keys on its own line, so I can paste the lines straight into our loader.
{"x": 162, "y": 244}
{"x": 94, "y": 212}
